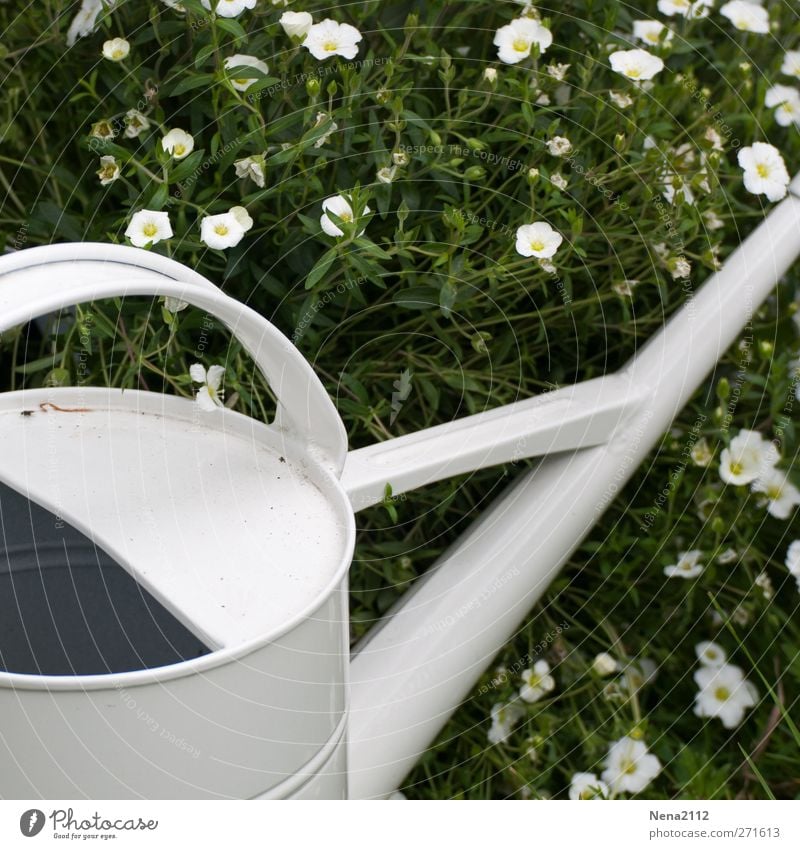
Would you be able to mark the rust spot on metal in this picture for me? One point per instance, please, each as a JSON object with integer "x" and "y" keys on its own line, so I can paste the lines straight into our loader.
{"x": 47, "y": 405}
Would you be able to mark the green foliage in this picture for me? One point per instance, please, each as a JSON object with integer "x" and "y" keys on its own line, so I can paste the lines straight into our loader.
{"x": 433, "y": 289}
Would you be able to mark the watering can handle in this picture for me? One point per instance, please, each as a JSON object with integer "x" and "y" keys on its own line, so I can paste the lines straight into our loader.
{"x": 40, "y": 280}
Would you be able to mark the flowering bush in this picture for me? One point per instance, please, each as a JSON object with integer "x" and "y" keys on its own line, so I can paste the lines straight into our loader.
{"x": 448, "y": 207}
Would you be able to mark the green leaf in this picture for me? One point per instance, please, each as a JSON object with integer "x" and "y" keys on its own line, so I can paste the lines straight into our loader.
{"x": 321, "y": 268}
{"x": 232, "y": 27}
{"x": 417, "y": 298}
{"x": 192, "y": 81}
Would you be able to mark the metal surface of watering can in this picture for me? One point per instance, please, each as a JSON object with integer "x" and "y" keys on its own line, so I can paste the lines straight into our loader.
{"x": 177, "y": 578}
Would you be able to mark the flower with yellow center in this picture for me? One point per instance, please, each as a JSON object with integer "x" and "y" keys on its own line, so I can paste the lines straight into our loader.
{"x": 515, "y": 41}
{"x": 724, "y": 694}
{"x": 746, "y": 16}
{"x": 209, "y": 395}
{"x": 780, "y": 495}
{"x": 764, "y": 171}
{"x": 225, "y": 230}
{"x": 636, "y": 65}
{"x": 178, "y": 143}
{"x": 116, "y": 49}
{"x": 786, "y": 102}
{"x": 330, "y": 38}
{"x": 244, "y": 60}
{"x": 109, "y": 170}
{"x": 652, "y": 32}
{"x": 629, "y": 766}
{"x": 148, "y": 227}
{"x": 340, "y": 206}
{"x": 538, "y": 240}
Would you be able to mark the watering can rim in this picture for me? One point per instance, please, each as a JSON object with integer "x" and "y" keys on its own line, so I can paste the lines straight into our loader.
{"x": 216, "y": 657}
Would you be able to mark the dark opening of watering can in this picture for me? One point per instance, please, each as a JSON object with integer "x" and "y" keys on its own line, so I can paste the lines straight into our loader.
{"x": 67, "y": 608}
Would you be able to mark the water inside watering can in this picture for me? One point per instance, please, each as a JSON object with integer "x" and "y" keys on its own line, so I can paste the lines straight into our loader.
{"x": 67, "y": 608}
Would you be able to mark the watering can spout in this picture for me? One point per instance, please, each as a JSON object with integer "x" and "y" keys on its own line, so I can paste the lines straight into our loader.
{"x": 565, "y": 419}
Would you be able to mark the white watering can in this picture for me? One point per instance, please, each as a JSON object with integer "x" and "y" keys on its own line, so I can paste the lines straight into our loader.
{"x": 174, "y": 582}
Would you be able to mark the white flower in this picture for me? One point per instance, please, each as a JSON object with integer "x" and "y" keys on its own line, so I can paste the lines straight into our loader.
{"x": 714, "y": 137}
{"x": 712, "y": 220}
{"x": 636, "y": 64}
{"x": 320, "y": 119}
{"x": 559, "y": 181}
{"x": 227, "y": 229}
{"x": 514, "y": 41}
{"x": 710, "y": 654}
{"x": 208, "y": 395}
{"x": 109, "y": 170}
{"x": 780, "y": 495}
{"x": 748, "y": 455}
{"x": 329, "y": 38}
{"x": 386, "y": 174}
{"x": 559, "y": 146}
{"x": 621, "y": 99}
{"x": 116, "y": 49}
{"x": 179, "y": 143}
{"x": 135, "y": 124}
{"x": 701, "y": 453}
{"x": 793, "y": 558}
{"x": 296, "y": 24}
{"x": 688, "y": 565}
{"x": 230, "y": 8}
{"x": 639, "y": 673}
{"x": 490, "y": 75}
{"x": 629, "y": 767}
{"x": 547, "y": 266}
{"x": 586, "y": 785}
{"x": 252, "y": 167}
{"x": 679, "y": 267}
{"x": 604, "y": 664}
{"x": 504, "y": 718}
{"x": 103, "y": 130}
{"x": 746, "y": 16}
{"x": 764, "y": 583}
{"x": 787, "y": 101}
{"x": 558, "y": 70}
{"x": 672, "y": 184}
{"x": 536, "y": 682}
{"x": 242, "y": 216}
{"x": 687, "y": 8}
{"x": 174, "y": 305}
{"x": 148, "y": 227}
{"x": 724, "y": 693}
{"x": 538, "y": 239}
{"x": 624, "y": 288}
{"x": 239, "y": 60}
{"x": 730, "y": 555}
{"x": 791, "y": 63}
{"x": 652, "y": 32}
{"x": 338, "y": 205}
{"x": 84, "y": 22}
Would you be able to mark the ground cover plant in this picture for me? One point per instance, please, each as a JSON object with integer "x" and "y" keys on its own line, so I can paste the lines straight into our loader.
{"x": 448, "y": 207}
